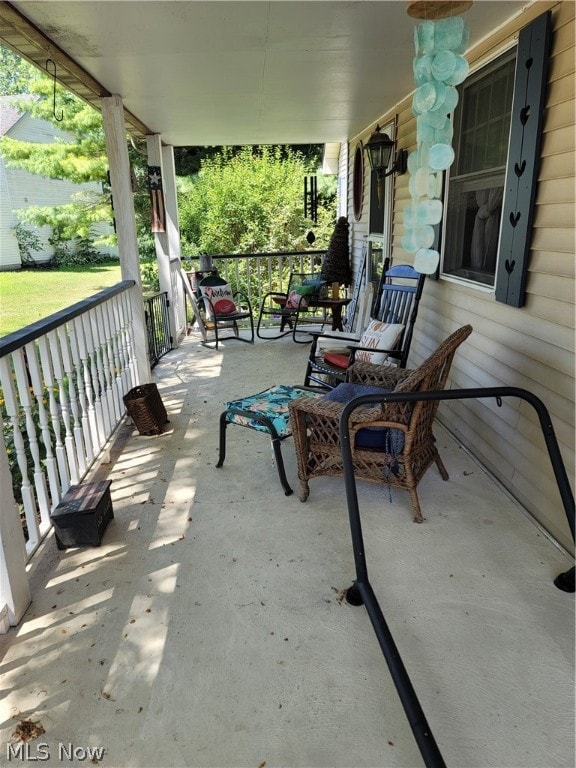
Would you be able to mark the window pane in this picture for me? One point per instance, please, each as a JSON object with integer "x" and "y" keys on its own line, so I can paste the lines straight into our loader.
{"x": 472, "y": 237}
{"x": 496, "y": 143}
{"x": 474, "y": 205}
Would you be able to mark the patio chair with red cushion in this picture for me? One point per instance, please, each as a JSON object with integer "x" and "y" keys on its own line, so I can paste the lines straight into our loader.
{"x": 387, "y": 336}
{"x": 285, "y": 309}
{"x": 221, "y": 309}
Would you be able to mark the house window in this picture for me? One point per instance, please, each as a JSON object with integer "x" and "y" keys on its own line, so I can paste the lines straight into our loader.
{"x": 477, "y": 178}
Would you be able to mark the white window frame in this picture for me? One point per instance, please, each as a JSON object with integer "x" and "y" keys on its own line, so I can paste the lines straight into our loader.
{"x": 450, "y": 276}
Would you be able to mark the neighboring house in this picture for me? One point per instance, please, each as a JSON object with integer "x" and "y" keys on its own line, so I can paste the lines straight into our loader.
{"x": 530, "y": 346}
{"x": 20, "y": 189}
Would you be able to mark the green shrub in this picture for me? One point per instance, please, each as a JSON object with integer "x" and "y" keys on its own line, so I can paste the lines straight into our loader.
{"x": 28, "y": 241}
{"x": 74, "y": 253}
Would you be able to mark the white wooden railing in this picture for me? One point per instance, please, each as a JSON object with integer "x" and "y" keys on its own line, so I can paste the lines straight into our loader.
{"x": 256, "y": 274}
{"x": 62, "y": 384}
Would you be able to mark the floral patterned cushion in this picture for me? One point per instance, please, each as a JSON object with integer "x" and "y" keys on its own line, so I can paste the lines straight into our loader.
{"x": 272, "y": 403}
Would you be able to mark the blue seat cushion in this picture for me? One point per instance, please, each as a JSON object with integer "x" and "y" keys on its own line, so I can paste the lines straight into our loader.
{"x": 378, "y": 438}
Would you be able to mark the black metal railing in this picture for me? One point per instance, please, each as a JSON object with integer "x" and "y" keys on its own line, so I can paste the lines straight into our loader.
{"x": 157, "y": 326}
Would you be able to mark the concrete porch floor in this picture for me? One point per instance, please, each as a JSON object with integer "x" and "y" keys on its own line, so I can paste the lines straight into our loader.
{"x": 209, "y": 629}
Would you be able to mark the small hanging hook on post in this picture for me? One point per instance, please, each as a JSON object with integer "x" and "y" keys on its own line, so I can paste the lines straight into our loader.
{"x": 53, "y": 63}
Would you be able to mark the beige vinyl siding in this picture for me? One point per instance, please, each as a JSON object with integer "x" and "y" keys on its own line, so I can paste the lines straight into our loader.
{"x": 531, "y": 348}
{"x": 358, "y": 228}
{"x": 343, "y": 177}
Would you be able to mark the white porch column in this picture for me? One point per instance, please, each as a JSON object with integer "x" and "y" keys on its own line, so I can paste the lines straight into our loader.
{"x": 14, "y": 590}
{"x": 177, "y": 299}
{"x": 164, "y": 241}
{"x": 117, "y": 151}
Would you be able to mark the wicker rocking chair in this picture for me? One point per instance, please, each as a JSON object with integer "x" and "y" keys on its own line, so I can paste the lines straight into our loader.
{"x": 406, "y": 447}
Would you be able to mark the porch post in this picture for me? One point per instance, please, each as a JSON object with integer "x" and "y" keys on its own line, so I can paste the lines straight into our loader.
{"x": 14, "y": 589}
{"x": 177, "y": 298}
{"x": 165, "y": 241}
{"x": 117, "y": 151}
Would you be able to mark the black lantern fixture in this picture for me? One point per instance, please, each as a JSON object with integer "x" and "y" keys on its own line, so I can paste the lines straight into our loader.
{"x": 380, "y": 148}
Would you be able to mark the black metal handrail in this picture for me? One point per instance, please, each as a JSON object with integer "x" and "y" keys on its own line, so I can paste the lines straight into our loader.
{"x": 361, "y": 591}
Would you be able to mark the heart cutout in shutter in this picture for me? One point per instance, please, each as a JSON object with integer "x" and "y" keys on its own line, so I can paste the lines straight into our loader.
{"x": 519, "y": 169}
{"x": 515, "y": 218}
{"x": 525, "y": 114}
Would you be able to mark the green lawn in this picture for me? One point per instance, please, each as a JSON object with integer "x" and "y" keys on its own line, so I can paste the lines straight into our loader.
{"x": 30, "y": 295}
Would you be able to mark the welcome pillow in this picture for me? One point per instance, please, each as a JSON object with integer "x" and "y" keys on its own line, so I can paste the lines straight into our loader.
{"x": 220, "y": 298}
{"x": 378, "y": 336}
{"x": 296, "y": 300}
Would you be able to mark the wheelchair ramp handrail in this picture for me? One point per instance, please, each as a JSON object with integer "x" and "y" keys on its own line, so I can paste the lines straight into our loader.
{"x": 407, "y": 694}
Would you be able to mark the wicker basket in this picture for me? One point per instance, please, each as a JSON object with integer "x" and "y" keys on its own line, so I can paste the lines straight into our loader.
{"x": 145, "y": 407}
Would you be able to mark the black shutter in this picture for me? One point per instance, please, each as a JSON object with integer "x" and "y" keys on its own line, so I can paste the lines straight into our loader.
{"x": 523, "y": 160}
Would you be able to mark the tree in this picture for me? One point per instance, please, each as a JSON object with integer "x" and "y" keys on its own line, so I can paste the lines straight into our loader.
{"x": 250, "y": 200}
{"x": 336, "y": 265}
{"x": 81, "y": 158}
{"x": 15, "y": 73}
{"x": 188, "y": 160}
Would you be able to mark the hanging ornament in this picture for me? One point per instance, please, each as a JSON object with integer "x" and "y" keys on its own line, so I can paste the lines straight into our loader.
{"x": 438, "y": 67}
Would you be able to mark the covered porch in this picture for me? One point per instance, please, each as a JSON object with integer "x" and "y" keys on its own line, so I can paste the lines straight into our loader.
{"x": 210, "y": 628}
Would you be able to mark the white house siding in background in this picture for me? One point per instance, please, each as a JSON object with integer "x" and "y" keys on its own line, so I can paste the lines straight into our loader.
{"x": 20, "y": 189}
{"x": 9, "y": 252}
{"x": 531, "y": 347}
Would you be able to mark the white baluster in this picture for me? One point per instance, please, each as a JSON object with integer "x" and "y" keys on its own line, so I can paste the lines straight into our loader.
{"x": 101, "y": 370}
{"x": 76, "y": 450}
{"x": 59, "y": 413}
{"x": 26, "y": 401}
{"x": 110, "y": 333}
{"x": 129, "y": 334}
{"x": 84, "y": 382}
{"x": 119, "y": 362}
{"x": 42, "y": 389}
{"x": 96, "y": 388}
{"x": 108, "y": 357}
{"x": 121, "y": 344}
{"x": 13, "y": 411}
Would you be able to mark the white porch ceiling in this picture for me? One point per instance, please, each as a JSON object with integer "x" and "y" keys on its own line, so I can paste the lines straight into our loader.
{"x": 212, "y": 73}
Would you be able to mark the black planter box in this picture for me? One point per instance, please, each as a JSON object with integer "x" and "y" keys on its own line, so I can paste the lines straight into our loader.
{"x": 83, "y": 514}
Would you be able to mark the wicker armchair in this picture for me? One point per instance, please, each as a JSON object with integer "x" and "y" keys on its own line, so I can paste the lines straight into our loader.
{"x": 315, "y": 426}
